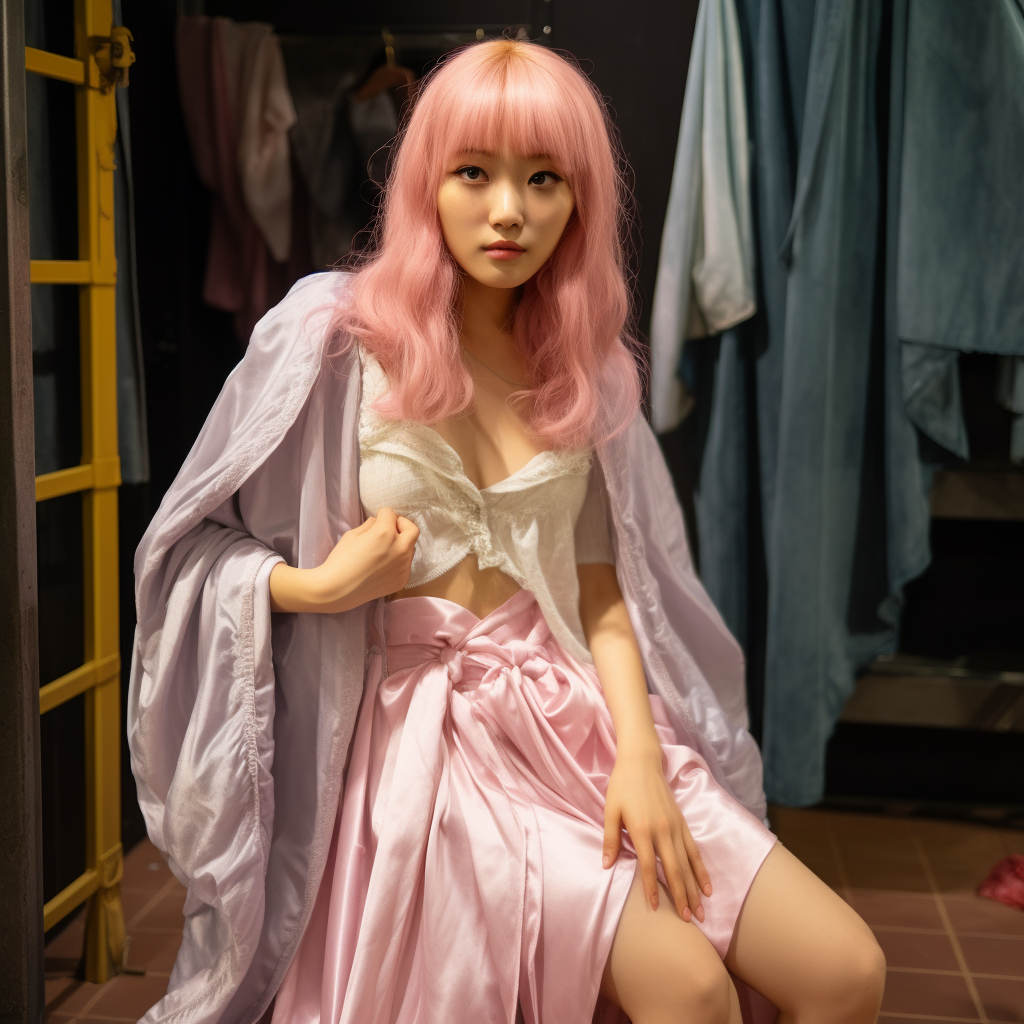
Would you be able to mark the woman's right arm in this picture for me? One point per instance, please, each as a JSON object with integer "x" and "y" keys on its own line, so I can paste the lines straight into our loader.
{"x": 370, "y": 561}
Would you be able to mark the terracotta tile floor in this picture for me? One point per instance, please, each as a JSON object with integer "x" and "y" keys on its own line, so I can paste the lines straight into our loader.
{"x": 952, "y": 956}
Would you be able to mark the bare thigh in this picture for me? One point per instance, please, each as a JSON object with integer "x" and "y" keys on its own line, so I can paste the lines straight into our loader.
{"x": 662, "y": 968}
{"x": 804, "y": 948}
{"x": 796, "y": 942}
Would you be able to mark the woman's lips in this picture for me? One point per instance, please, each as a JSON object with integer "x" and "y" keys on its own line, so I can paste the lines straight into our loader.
{"x": 504, "y": 250}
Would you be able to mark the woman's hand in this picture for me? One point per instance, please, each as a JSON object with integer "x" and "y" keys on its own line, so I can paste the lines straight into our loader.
{"x": 370, "y": 561}
{"x": 639, "y": 798}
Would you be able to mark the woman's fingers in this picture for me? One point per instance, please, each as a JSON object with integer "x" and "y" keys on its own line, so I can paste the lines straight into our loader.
{"x": 680, "y": 879}
{"x": 648, "y": 868}
{"x": 387, "y": 519}
{"x": 407, "y": 526}
{"x": 700, "y": 872}
{"x": 612, "y": 835}
{"x": 408, "y": 533}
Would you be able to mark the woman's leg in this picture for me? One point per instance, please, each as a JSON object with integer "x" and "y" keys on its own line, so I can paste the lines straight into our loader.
{"x": 662, "y": 970}
{"x": 805, "y": 949}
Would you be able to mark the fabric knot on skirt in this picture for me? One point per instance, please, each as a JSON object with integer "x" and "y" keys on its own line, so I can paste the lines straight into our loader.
{"x": 452, "y": 658}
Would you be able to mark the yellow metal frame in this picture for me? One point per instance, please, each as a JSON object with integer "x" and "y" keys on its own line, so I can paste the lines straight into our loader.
{"x": 97, "y": 478}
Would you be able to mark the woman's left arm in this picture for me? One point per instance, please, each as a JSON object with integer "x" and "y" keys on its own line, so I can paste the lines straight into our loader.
{"x": 638, "y": 797}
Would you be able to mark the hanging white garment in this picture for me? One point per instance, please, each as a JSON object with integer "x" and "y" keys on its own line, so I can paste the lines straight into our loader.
{"x": 705, "y": 280}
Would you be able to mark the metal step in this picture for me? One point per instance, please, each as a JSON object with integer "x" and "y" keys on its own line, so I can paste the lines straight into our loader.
{"x": 906, "y": 690}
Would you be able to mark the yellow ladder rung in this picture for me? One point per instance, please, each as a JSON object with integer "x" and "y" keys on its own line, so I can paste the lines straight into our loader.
{"x": 70, "y": 897}
{"x": 101, "y": 473}
{"x": 60, "y": 272}
{"x": 94, "y": 75}
{"x": 51, "y": 65}
{"x": 83, "y": 678}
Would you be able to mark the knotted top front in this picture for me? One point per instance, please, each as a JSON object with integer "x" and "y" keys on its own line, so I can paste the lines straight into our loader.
{"x": 536, "y": 525}
{"x": 452, "y": 657}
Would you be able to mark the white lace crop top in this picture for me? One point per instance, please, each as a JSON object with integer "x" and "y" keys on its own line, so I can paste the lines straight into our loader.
{"x": 535, "y": 525}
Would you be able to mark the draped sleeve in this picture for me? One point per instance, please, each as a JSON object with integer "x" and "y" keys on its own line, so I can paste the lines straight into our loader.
{"x": 239, "y": 721}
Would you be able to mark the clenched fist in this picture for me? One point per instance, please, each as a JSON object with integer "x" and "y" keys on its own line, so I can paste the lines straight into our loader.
{"x": 368, "y": 562}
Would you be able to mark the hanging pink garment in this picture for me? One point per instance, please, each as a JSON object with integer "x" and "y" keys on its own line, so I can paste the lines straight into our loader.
{"x": 237, "y": 111}
{"x": 465, "y": 868}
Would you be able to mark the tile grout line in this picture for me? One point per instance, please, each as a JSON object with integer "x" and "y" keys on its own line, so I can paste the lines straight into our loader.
{"x": 921, "y": 930}
{"x": 951, "y": 974}
{"x": 164, "y": 890}
{"x": 927, "y": 1016}
{"x": 948, "y": 925}
{"x": 906, "y": 929}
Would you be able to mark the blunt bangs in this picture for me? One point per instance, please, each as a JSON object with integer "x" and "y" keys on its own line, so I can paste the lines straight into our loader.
{"x": 514, "y": 104}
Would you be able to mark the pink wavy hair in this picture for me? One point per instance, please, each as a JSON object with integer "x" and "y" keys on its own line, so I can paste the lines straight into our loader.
{"x": 497, "y": 96}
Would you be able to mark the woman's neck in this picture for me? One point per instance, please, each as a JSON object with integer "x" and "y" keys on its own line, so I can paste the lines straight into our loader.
{"x": 486, "y": 315}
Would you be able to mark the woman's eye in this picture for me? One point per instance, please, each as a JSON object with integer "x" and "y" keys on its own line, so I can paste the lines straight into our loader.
{"x": 544, "y": 178}
{"x": 470, "y": 173}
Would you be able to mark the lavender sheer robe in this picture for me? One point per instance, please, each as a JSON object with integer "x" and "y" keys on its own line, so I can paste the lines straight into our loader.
{"x": 239, "y": 723}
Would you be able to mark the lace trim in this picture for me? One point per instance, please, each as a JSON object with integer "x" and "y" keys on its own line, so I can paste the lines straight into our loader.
{"x": 429, "y": 449}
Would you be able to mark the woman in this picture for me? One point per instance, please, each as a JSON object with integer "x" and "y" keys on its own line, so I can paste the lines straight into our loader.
{"x": 476, "y": 456}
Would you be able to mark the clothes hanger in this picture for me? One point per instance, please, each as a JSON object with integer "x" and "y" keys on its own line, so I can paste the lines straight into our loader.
{"x": 389, "y": 75}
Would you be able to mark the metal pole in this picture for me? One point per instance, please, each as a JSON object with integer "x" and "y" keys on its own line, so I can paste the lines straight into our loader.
{"x": 21, "y": 859}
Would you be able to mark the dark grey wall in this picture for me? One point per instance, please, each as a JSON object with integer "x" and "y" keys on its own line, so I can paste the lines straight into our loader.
{"x": 637, "y": 53}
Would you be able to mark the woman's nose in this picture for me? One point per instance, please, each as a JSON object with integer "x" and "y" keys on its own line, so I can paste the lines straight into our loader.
{"x": 507, "y": 208}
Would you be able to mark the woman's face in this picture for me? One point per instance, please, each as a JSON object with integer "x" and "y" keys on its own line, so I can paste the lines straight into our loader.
{"x": 502, "y": 214}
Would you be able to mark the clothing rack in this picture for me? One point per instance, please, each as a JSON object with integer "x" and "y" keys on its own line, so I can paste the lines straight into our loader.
{"x": 531, "y": 19}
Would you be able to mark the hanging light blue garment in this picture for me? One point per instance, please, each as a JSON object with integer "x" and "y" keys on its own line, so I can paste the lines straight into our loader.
{"x": 955, "y": 241}
{"x": 1010, "y": 394}
{"x": 960, "y": 233}
{"x": 705, "y": 281}
{"x": 795, "y": 382}
{"x": 812, "y": 512}
{"x": 798, "y": 455}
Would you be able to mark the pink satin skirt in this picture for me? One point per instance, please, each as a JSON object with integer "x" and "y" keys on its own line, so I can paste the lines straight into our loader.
{"x": 465, "y": 873}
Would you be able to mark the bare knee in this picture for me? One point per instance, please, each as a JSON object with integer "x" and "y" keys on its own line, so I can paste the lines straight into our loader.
{"x": 854, "y": 987}
{"x": 691, "y": 989}
{"x": 708, "y": 999}
{"x": 865, "y": 975}
{"x": 699, "y": 992}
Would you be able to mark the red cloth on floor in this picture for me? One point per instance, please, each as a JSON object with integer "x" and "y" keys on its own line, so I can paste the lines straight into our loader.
{"x": 1005, "y": 882}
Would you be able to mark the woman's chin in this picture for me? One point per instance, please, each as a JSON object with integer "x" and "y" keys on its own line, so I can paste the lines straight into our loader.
{"x": 497, "y": 275}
